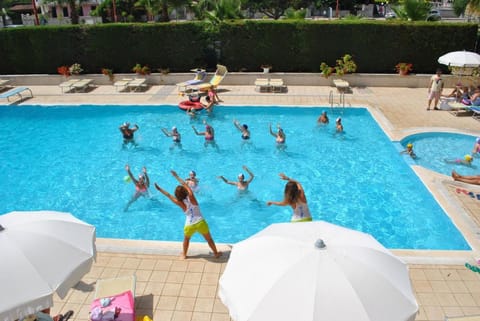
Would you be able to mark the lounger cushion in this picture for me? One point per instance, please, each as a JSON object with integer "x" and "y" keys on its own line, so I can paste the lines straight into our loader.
{"x": 101, "y": 309}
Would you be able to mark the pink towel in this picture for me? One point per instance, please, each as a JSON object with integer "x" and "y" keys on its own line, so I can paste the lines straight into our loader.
{"x": 122, "y": 302}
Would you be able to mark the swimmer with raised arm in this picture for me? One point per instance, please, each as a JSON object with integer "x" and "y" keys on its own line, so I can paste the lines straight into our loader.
{"x": 294, "y": 196}
{"x": 141, "y": 185}
{"x": 280, "y": 136}
{"x": 185, "y": 199}
{"x": 243, "y": 129}
{"x": 128, "y": 133}
{"x": 209, "y": 134}
{"x": 192, "y": 180}
{"x": 241, "y": 184}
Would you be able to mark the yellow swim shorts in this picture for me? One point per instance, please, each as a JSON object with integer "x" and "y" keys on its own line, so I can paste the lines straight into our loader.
{"x": 306, "y": 219}
{"x": 200, "y": 227}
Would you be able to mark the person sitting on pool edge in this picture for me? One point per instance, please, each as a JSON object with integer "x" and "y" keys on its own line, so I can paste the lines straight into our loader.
{"x": 323, "y": 119}
{"x": 141, "y": 185}
{"x": 474, "y": 179}
{"x": 127, "y": 133}
{"x": 241, "y": 184}
{"x": 185, "y": 199}
{"x": 243, "y": 129}
{"x": 294, "y": 196}
{"x": 409, "y": 151}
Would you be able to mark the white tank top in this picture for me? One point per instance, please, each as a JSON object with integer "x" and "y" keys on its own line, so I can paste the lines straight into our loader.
{"x": 192, "y": 212}
{"x": 301, "y": 212}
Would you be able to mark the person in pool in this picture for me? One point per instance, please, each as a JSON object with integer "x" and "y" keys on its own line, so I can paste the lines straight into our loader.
{"x": 141, "y": 185}
{"x": 339, "y": 125}
{"x": 209, "y": 134}
{"x": 323, "y": 119}
{"x": 185, "y": 199}
{"x": 192, "y": 180}
{"x": 280, "y": 136}
{"x": 476, "y": 147}
{"x": 192, "y": 112}
{"x": 467, "y": 160}
{"x": 243, "y": 129}
{"x": 409, "y": 151}
{"x": 208, "y": 105}
{"x": 128, "y": 133}
{"x": 241, "y": 184}
{"x": 294, "y": 196}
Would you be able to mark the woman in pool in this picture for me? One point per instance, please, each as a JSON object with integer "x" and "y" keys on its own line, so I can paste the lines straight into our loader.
{"x": 127, "y": 133}
{"x": 280, "y": 136}
{"x": 339, "y": 125}
{"x": 208, "y": 105}
{"x": 467, "y": 160}
{"x": 409, "y": 151}
{"x": 185, "y": 199}
{"x": 141, "y": 185}
{"x": 475, "y": 179}
{"x": 192, "y": 180}
{"x": 176, "y": 137}
{"x": 241, "y": 184}
{"x": 476, "y": 147}
{"x": 209, "y": 134}
{"x": 294, "y": 196}
{"x": 323, "y": 119}
{"x": 243, "y": 129}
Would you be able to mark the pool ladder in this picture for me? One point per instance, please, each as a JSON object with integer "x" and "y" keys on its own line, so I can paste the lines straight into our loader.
{"x": 341, "y": 99}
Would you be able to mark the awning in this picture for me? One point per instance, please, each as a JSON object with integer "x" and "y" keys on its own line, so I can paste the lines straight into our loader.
{"x": 22, "y": 7}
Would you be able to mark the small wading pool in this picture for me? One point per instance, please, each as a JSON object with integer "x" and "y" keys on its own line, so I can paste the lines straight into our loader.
{"x": 436, "y": 150}
{"x": 71, "y": 159}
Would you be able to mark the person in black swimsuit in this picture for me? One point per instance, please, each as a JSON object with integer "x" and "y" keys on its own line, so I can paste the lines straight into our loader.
{"x": 243, "y": 129}
{"x": 127, "y": 133}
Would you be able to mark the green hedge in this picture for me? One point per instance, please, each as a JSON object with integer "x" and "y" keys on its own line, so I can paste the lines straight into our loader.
{"x": 289, "y": 46}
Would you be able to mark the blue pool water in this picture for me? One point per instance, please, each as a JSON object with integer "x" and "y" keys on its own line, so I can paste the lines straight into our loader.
{"x": 434, "y": 150}
{"x": 71, "y": 159}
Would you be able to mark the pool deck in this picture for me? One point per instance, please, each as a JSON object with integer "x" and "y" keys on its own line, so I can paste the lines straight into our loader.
{"x": 171, "y": 289}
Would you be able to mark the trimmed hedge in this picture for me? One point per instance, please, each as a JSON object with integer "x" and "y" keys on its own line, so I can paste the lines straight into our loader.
{"x": 289, "y": 46}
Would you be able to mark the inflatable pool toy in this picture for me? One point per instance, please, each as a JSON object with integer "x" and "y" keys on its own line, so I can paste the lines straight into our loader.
{"x": 187, "y": 105}
{"x": 127, "y": 179}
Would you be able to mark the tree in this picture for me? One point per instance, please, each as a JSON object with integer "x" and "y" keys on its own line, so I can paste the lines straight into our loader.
{"x": 274, "y": 8}
{"x": 414, "y": 10}
{"x": 459, "y": 6}
{"x": 217, "y": 10}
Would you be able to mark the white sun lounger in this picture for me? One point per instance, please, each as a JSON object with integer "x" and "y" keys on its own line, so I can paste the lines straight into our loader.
{"x": 68, "y": 85}
{"x": 16, "y": 92}
{"x": 136, "y": 84}
{"x": 121, "y": 85}
{"x": 3, "y": 83}
{"x": 82, "y": 85}
{"x": 341, "y": 85}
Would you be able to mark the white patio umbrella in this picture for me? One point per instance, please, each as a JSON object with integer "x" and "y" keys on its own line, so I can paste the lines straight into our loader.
{"x": 315, "y": 271}
{"x": 463, "y": 59}
{"x": 41, "y": 253}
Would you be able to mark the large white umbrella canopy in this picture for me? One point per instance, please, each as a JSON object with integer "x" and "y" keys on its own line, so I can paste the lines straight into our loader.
{"x": 41, "y": 253}
{"x": 460, "y": 59}
{"x": 315, "y": 271}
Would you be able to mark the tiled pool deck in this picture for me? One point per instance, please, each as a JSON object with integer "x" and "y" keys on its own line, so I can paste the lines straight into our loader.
{"x": 169, "y": 288}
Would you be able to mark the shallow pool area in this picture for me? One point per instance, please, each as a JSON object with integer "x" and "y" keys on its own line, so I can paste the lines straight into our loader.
{"x": 442, "y": 152}
{"x": 71, "y": 159}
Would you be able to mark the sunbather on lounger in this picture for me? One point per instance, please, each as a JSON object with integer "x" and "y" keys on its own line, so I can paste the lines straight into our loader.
{"x": 474, "y": 179}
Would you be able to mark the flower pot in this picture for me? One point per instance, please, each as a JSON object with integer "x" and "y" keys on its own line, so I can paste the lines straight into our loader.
{"x": 403, "y": 72}
{"x": 266, "y": 70}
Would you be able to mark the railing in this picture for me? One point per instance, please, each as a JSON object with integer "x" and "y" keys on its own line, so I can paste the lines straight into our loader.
{"x": 341, "y": 99}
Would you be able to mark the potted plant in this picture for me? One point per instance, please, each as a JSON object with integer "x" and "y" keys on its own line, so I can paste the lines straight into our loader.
{"x": 343, "y": 66}
{"x": 403, "y": 68}
{"x": 141, "y": 70}
{"x": 75, "y": 69}
{"x": 109, "y": 73}
{"x": 266, "y": 68}
{"x": 64, "y": 71}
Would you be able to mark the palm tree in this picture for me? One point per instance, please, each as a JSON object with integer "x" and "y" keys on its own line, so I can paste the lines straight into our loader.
{"x": 414, "y": 10}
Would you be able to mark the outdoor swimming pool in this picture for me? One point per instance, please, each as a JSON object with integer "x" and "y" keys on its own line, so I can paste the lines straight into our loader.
{"x": 433, "y": 148}
{"x": 71, "y": 159}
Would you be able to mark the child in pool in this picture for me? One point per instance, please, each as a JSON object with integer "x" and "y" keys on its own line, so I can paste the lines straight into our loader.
{"x": 467, "y": 160}
{"x": 409, "y": 151}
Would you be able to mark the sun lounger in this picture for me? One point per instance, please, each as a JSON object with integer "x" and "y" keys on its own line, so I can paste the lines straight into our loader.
{"x": 114, "y": 299}
{"x": 270, "y": 85}
{"x": 476, "y": 111}
{"x": 16, "y": 92}
{"x": 121, "y": 85}
{"x": 136, "y": 84}
{"x": 277, "y": 85}
{"x": 262, "y": 85}
{"x": 458, "y": 109}
{"x": 68, "y": 85}
{"x": 3, "y": 83}
{"x": 82, "y": 85}
{"x": 200, "y": 75}
{"x": 213, "y": 83}
{"x": 341, "y": 85}
{"x": 464, "y": 318}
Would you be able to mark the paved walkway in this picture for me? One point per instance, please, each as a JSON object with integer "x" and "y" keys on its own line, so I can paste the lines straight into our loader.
{"x": 185, "y": 290}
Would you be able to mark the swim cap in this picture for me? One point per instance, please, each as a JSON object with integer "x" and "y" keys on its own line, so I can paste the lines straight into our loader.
{"x": 241, "y": 176}
{"x": 208, "y": 126}
{"x": 324, "y": 112}
{"x": 193, "y": 173}
{"x": 174, "y": 128}
{"x": 478, "y": 140}
{"x": 126, "y": 124}
{"x": 409, "y": 145}
{"x": 141, "y": 176}
{"x": 245, "y": 126}
{"x": 468, "y": 158}
{"x": 339, "y": 119}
